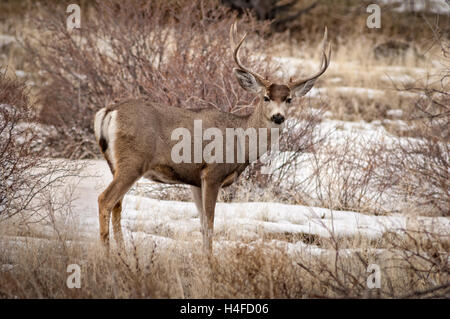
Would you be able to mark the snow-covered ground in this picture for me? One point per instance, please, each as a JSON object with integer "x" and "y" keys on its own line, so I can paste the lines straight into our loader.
{"x": 176, "y": 222}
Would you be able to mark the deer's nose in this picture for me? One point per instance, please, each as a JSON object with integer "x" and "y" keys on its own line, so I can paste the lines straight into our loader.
{"x": 278, "y": 118}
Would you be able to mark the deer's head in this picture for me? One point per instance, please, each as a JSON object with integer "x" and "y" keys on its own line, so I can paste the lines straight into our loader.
{"x": 275, "y": 98}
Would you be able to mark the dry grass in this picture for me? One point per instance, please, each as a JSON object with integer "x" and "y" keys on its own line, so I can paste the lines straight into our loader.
{"x": 413, "y": 264}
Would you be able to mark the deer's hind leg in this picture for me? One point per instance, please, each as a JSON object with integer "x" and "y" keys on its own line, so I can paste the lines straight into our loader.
{"x": 117, "y": 226}
{"x": 111, "y": 200}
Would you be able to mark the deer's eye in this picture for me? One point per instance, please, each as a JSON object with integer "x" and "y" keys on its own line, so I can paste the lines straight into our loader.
{"x": 266, "y": 98}
{"x": 288, "y": 100}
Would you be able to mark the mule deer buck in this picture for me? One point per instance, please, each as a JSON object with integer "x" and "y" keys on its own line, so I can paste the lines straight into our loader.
{"x": 135, "y": 137}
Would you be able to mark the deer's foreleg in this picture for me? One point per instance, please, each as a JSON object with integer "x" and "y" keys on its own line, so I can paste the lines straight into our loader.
{"x": 209, "y": 192}
{"x": 197, "y": 195}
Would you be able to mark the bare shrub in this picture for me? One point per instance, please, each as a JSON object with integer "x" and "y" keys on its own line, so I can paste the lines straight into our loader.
{"x": 16, "y": 141}
{"x": 345, "y": 176}
{"x": 419, "y": 171}
{"x": 420, "y": 167}
{"x": 380, "y": 173}
{"x": 169, "y": 54}
{"x": 25, "y": 175}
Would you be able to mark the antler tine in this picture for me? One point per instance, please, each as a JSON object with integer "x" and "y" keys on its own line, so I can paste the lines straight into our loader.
{"x": 233, "y": 33}
{"x": 325, "y": 62}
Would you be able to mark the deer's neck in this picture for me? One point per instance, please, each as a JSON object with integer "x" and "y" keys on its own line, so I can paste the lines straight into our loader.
{"x": 257, "y": 120}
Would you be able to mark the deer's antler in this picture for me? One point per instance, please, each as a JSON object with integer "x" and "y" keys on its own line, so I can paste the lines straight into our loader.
{"x": 323, "y": 65}
{"x": 233, "y": 34}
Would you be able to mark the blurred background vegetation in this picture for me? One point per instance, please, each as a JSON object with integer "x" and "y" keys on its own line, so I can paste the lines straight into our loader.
{"x": 300, "y": 18}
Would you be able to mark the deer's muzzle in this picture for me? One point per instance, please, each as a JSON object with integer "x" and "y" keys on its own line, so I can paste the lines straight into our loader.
{"x": 277, "y": 118}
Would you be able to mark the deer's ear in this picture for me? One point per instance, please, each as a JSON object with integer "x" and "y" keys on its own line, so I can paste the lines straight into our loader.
{"x": 247, "y": 81}
{"x": 303, "y": 88}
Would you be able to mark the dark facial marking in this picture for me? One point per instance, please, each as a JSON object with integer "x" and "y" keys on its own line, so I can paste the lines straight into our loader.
{"x": 278, "y": 93}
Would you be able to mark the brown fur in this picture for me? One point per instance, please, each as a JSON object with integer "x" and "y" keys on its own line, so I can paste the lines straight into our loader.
{"x": 278, "y": 93}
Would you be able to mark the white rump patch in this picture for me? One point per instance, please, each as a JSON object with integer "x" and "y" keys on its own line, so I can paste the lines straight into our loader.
{"x": 98, "y": 123}
{"x": 109, "y": 131}
{"x": 106, "y": 126}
